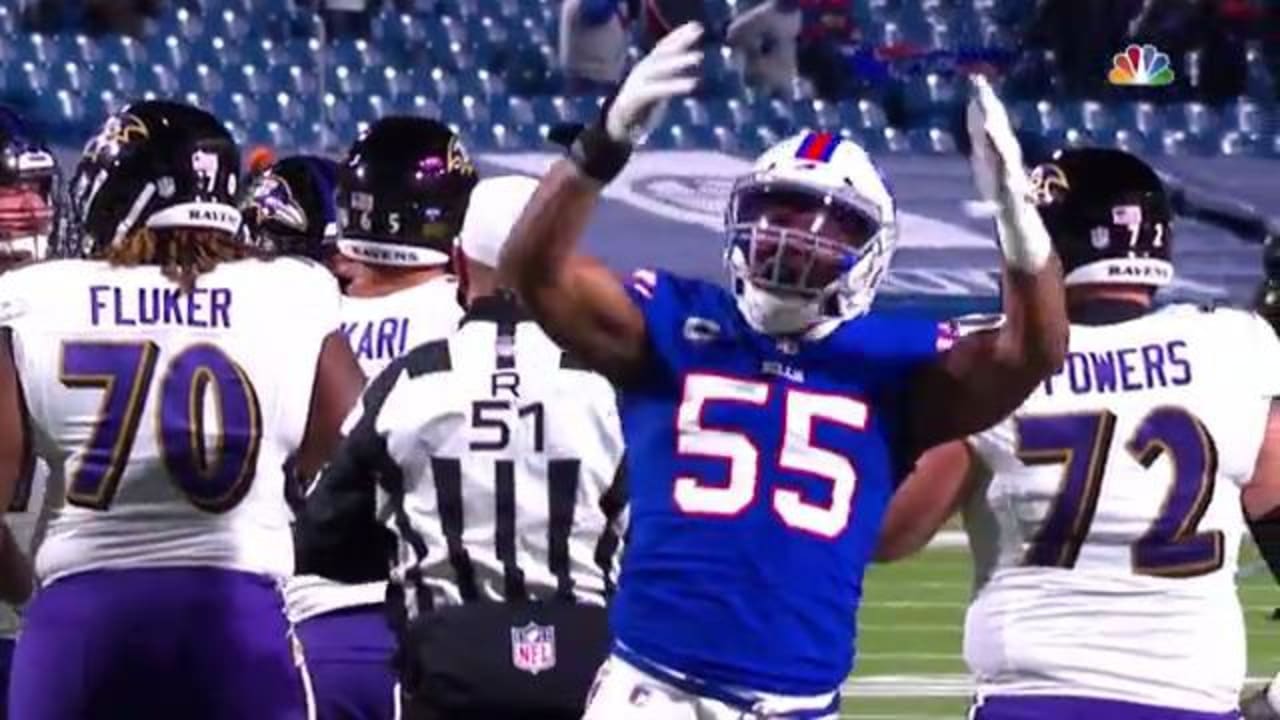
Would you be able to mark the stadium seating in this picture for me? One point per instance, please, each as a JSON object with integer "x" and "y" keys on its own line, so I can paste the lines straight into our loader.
{"x": 490, "y": 68}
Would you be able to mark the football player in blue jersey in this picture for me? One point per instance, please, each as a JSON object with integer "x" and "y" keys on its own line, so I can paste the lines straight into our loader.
{"x": 766, "y": 426}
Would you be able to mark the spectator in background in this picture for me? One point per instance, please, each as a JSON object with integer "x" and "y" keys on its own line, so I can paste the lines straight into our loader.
{"x": 765, "y": 37}
{"x": 659, "y": 17}
{"x": 593, "y": 44}
{"x": 1083, "y": 35}
{"x": 829, "y": 36}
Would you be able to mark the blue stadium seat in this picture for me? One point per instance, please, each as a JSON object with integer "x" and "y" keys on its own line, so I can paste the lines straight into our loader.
{"x": 82, "y": 49}
{"x": 186, "y": 24}
{"x": 336, "y": 110}
{"x": 491, "y": 33}
{"x": 296, "y": 79}
{"x": 518, "y": 113}
{"x": 1236, "y": 143}
{"x": 347, "y": 79}
{"x": 758, "y": 139}
{"x": 934, "y": 141}
{"x": 727, "y": 141}
{"x": 373, "y": 107}
{"x": 1096, "y": 118}
{"x": 275, "y": 134}
{"x": 237, "y": 132}
{"x": 122, "y": 49}
{"x": 38, "y": 48}
{"x": 215, "y": 53}
{"x": 503, "y": 137}
{"x": 826, "y": 115}
{"x": 1199, "y": 120}
{"x": 554, "y": 109}
{"x": 536, "y": 31}
{"x": 231, "y": 24}
{"x": 157, "y": 78}
{"x": 405, "y": 29}
{"x": 170, "y": 50}
{"x": 68, "y": 107}
{"x": 1176, "y": 142}
{"x": 388, "y": 81}
{"x": 442, "y": 84}
{"x": 1131, "y": 141}
{"x": 1259, "y": 82}
{"x": 239, "y": 107}
{"x": 690, "y": 111}
{"x": 895, "y": 140}
{"x": 1075, "y": 137}
{"x": 1145, "y": 118}
{"x": 467, "y": 109}
{"x": 204, "y": 79}
{"x": 8, "y": 21}
{"x": 1250, "y": 118}
{"x": 680, "y": 137}
{"x": 100, "y": 104}
{"x": 423, "y": 106}
{"x": 28, "y": 78}
{"x": 114, "y": 77}
{"x": 870, "y": 116}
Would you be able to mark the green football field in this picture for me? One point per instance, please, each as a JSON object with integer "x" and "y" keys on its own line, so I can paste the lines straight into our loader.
{"x": 912, "y": 618}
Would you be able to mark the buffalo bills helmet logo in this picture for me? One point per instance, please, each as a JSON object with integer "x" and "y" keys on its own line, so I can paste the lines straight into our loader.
{"x": 1048, "y": 184}
{"x": 273, "y": 201}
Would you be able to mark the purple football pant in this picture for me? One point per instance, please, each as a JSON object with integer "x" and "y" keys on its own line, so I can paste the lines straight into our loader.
{"x": 349, "y": 654}
{"x": 6, "y": 667}
{"x": 191, "y": 643}
{"x": 1053, "y": 707}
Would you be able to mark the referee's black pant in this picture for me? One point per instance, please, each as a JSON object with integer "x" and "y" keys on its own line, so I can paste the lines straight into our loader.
{"x": 484, "y": 661}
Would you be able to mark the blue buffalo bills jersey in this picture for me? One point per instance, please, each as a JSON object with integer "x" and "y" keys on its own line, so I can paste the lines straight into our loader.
{"x": 760, "y": 471}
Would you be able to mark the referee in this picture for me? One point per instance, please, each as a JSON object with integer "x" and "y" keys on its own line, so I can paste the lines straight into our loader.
{"x": 499, "y": 458}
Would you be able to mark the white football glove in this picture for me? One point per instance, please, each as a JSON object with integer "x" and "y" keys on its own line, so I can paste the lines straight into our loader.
{"x": 1002, "y": 182}
{"x": 668, "y": 71}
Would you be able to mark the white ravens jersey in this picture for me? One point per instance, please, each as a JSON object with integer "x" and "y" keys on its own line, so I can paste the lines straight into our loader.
{"x": 1106, "y": 536}
{"x": 380, "y": 329}
{"x": 27, "y": 518}
{"x": 166, "y": 417}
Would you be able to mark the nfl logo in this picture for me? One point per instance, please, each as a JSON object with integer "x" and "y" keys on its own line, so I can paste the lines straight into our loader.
{"x": 533, "y": 648}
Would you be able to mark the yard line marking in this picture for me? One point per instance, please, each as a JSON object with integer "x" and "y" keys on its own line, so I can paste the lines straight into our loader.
{"x": 911, "y": 627}
{"x": 914, "y": 604}
{"x": 908, "y": 655}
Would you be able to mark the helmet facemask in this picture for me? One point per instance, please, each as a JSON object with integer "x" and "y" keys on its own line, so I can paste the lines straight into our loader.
{"x": 27, "y": 221}
{"x": 800, "y": 255}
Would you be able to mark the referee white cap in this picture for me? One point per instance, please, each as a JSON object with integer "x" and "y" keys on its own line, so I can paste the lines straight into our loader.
{"x": 496, "y": 204}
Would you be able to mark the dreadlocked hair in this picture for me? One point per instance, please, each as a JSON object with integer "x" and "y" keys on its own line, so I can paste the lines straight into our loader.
{"x": 183, "y": 254}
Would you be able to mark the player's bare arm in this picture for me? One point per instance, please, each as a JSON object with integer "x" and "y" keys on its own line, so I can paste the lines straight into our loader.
{"x": 1261, "y": 497}
{"x": 941, "y": 480}
{"x": 338, "y": 383}
{"x": 579, "y": 302}
{"x": 985, "y": 376}
{"x": 16, "y": 577}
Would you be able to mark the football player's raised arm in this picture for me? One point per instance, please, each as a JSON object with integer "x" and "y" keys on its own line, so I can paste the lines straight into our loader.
{"x": 16, "y": 577}
{"x": 931, "y": 494}
{"x": 575, "y": 299}
{"x": 986, "y": 375}
{"x": 338, "y": 383}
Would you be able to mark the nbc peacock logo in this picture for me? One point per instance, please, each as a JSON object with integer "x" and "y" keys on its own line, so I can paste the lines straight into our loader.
{"x": 1141, "y": 66}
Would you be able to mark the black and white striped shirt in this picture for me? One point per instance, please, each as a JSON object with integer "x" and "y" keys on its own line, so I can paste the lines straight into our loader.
{"x": 500, "y": 460}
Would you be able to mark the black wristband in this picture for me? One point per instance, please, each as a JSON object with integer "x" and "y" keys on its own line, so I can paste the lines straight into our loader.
{"x": 599, "y": 156}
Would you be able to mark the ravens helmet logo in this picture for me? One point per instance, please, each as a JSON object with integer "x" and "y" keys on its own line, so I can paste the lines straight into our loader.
{"x": 459, "y": 161}
{"x": 118, "y": 131}
{"x": 273, "y": 201}
{"x": 1048, "y": 184}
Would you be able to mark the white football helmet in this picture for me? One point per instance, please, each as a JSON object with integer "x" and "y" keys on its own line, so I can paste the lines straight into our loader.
{"x": 811, "y": 230}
